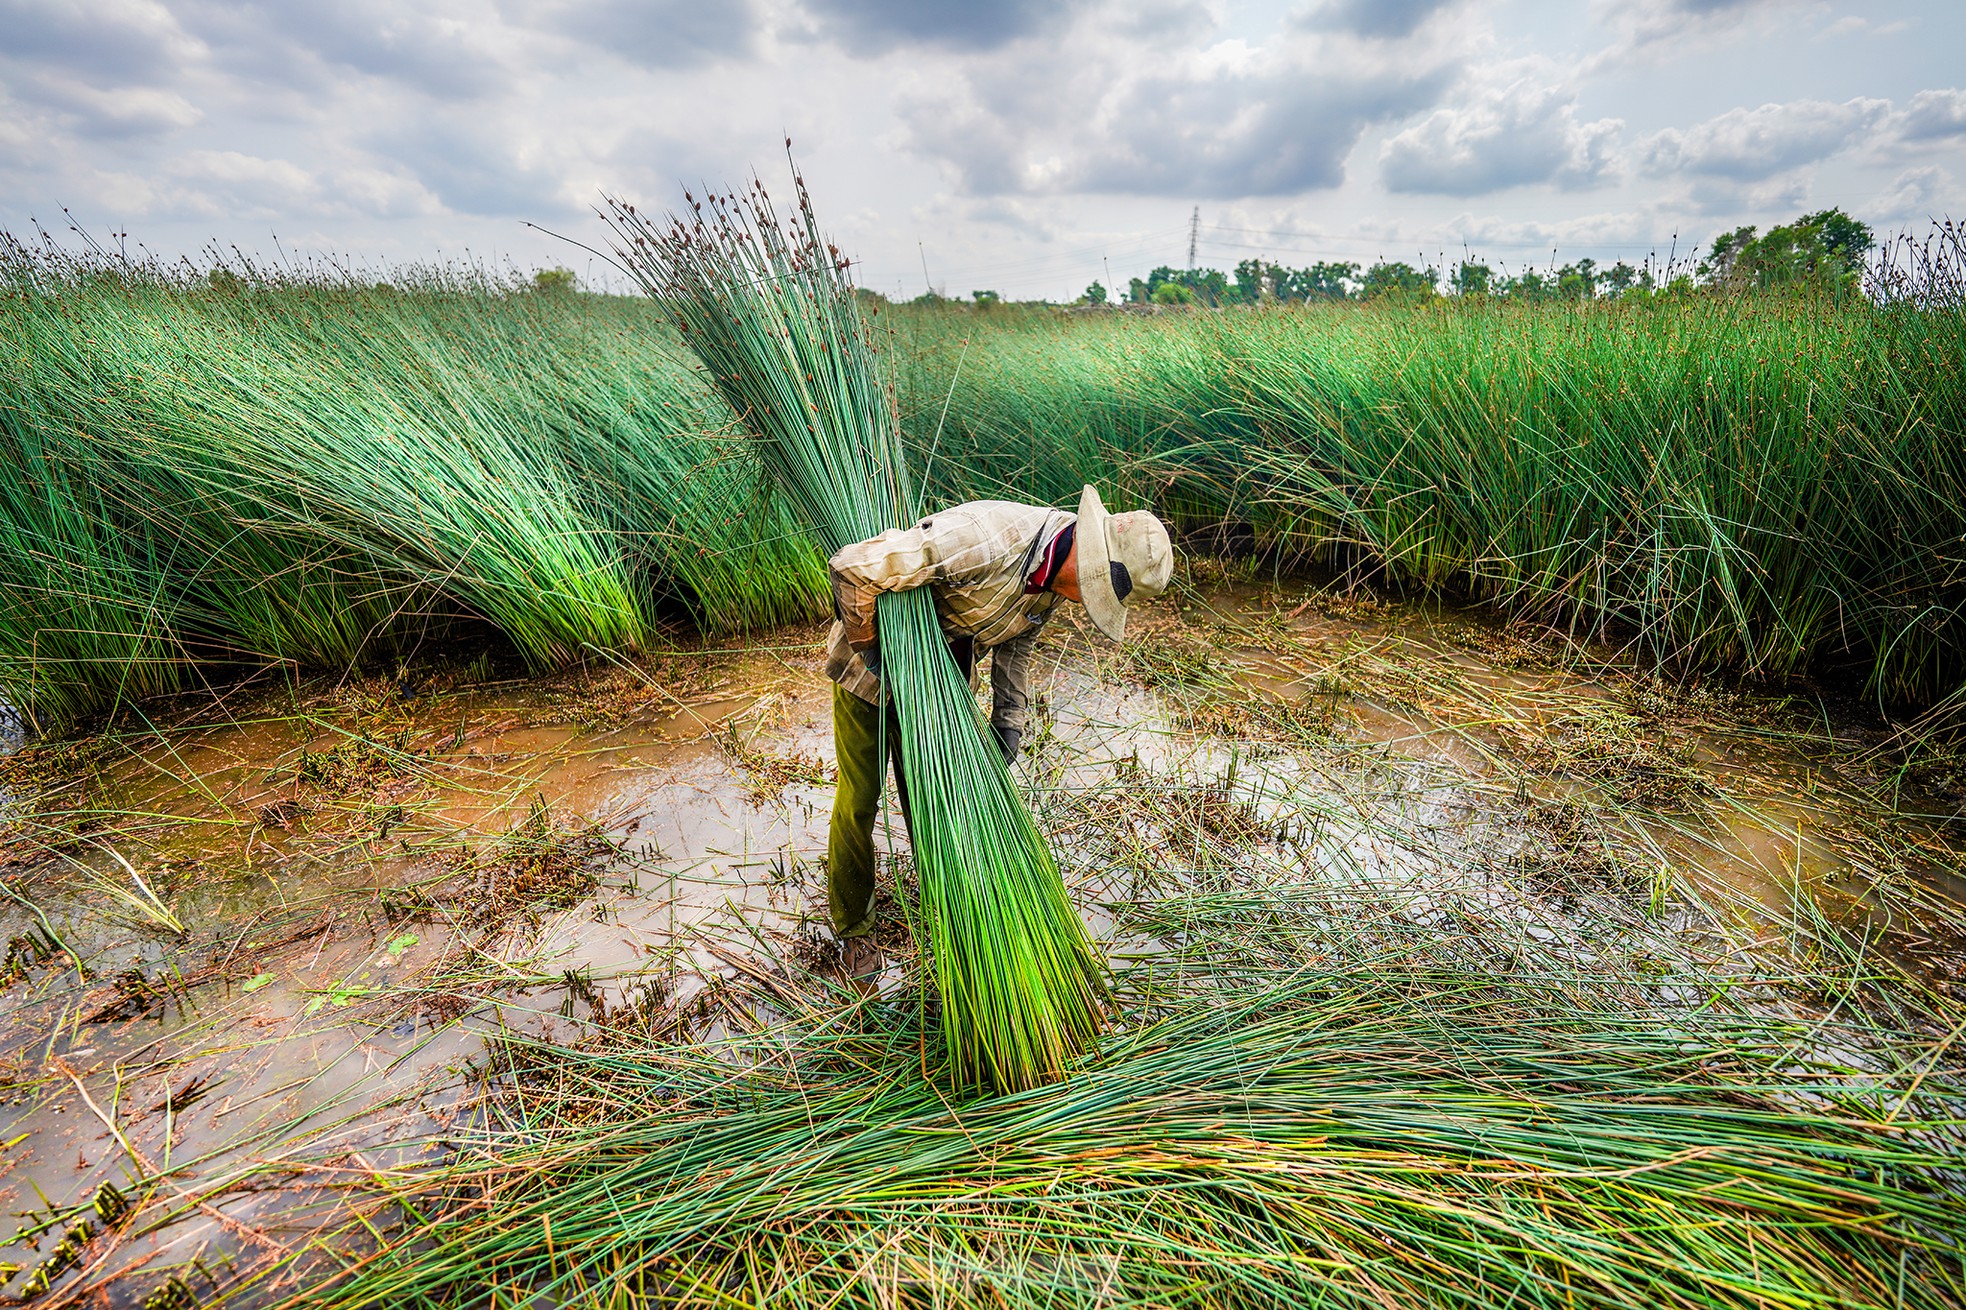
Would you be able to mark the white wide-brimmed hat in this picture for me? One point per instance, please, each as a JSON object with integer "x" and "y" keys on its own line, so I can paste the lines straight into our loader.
{"x": 1123, "y": 560}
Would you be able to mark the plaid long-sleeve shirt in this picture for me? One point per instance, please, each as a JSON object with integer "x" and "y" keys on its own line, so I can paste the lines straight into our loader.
{"x": 979, "y": 559}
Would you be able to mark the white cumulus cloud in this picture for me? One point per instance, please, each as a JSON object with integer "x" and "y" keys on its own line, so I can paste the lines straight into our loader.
{"x": 1935, "y": 116}
{"x": 127, "y": 111}
{"x": 1914, "y": 195}
{"x": 1660, "y": 29}
{"x": 1748, "y": 145}
{"x": 1223, "y": 119}
{"x": 1519, "y": 135}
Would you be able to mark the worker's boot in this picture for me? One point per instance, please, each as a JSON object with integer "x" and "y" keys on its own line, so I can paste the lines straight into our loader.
{"x": 861, "y": 960}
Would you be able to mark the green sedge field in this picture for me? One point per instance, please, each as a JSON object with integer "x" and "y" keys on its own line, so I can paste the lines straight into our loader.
{"x": 1527, "y": 840}
{"x": 313, "y": 474}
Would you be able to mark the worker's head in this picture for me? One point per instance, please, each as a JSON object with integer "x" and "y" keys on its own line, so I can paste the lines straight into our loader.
{"x": 1123, "y": 559}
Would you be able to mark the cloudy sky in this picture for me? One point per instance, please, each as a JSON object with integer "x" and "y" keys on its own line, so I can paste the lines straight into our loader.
{"x": 1027, "y": 146}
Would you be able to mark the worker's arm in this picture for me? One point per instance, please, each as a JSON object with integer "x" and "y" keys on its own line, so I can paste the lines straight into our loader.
{"x": 1010, "y": 690}
{"x": 896, "y": 560}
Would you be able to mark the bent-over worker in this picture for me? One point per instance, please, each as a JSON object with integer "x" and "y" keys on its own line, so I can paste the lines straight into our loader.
{"x": 997, "y": 570}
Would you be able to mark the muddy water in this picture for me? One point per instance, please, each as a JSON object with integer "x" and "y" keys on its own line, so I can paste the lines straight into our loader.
{"x": 1772, "y": 806}
{"x": 287, "y": 1023}
{"x": 289, "y": 974}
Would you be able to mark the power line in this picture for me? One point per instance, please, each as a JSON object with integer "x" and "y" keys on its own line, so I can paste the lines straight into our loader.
{"x": 1037, "y": 264}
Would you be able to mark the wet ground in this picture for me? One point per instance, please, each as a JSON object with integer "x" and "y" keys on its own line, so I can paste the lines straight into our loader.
{"x": 257, "y": 939}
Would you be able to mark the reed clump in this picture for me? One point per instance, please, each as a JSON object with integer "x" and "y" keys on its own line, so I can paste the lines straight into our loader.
{"x": 1762, "y": 483}
{"x": 254, "y": 469}
{"x": 258, "y": 466}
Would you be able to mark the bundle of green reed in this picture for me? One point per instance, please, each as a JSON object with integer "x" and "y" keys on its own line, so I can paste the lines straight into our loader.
{"x": 770, "y": 311}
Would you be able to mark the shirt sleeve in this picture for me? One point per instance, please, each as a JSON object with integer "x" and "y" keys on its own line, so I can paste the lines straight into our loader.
{"x": 896, "y": 560}
{"x": 1010, "y": 681}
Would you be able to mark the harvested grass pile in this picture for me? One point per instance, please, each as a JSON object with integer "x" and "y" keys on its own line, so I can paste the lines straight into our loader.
{"x": 772, "y": 314}
{"x": 1198, "y": 679}
{"x": 1634, "y": 759}
{"x": 769, "y": 772}
{"x": 1290, "y": 1117}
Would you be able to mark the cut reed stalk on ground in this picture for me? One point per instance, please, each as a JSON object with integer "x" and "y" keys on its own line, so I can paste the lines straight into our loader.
{"x": 1378, "y": 1132}
{"x": 772, "y": 314}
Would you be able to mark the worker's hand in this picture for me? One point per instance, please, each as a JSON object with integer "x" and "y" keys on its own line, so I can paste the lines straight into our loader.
{"x": 1007, "y": 740}
{"x": 871, "y": 657}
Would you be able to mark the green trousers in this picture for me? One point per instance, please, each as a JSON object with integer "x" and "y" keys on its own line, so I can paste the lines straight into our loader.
{"x": 857, "y": 803}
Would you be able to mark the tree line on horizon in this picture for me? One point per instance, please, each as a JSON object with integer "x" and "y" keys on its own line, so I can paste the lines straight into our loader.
{"x": 1824, "y": 250}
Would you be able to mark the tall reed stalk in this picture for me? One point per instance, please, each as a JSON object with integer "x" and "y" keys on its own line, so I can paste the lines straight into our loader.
{"x": 1764, "y": 483}
{"x": 771, "y": 312}
{"x": 244, "y": 469}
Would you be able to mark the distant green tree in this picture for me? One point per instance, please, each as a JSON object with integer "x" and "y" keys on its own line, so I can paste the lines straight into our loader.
{"x": 555, "y": 281}
{"x": 1209, "y": 286}
{"x": 1173, "y": 293}
{"x": 1620, "y": 278}
{"x": 1825, "y": 249}
{"x": 1527, "y": 285}
{"x": 1844, "y": 237}
{"x": 1472, "y": 279}
{"x": 986, "y": 299}
{"x": 1095, "y": 294}
{"x": 1253, "y": 280}
{"x": 1256, "y": 280}
{"x": 1718, "y": 266}
{"x": 1399, "y": 280}
{"x": 1321, "y": 281}
{"x": 1577, "y": 281}
{"x": 1788, "y": 255}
